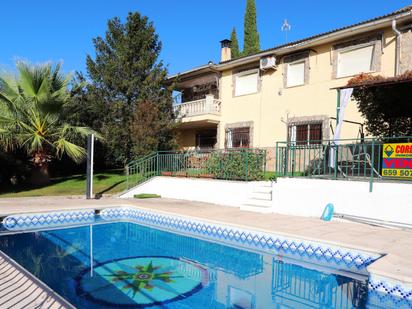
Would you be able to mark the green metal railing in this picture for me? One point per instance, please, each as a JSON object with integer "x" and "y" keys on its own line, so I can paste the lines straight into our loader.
{"x": 230, "y": 164}
{"x": 140, "y": 170}
{"x": 341, "y": 159}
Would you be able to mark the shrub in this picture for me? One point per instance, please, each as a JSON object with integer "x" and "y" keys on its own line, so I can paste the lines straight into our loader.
{"x": 272, "y": 176}
{"x": 237, "y": 165}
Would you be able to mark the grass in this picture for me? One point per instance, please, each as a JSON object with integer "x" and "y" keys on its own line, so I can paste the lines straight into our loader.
{"x": 108, "y": 182}
{"x": 103, "y": 183}
{"x": 269, "y": 175}
{"x": 146, "y": 195}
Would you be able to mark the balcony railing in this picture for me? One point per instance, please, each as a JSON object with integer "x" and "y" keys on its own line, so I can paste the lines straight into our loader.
{"x": 209, "y": 105}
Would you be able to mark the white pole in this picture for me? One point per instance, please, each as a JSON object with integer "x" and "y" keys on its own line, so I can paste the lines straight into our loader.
{"x": 91, "y": 251}
{"x": 90, "y": 154}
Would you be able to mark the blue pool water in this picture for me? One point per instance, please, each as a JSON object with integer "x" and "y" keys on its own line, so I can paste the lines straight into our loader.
{"x": 126, "y": 265}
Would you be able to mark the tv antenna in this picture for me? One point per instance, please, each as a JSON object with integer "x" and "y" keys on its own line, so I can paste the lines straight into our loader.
{"x": 285, "y": 28}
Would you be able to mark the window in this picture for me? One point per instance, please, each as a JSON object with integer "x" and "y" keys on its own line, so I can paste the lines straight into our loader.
{"x": 304, "y": 134}
{"x": 355, "y": 61}
{"x": 315, "y": 133}
{"x": 301, "y": 134}
{"x": 246, "y": 82}
{"x": 295, "y": 74}
{"x": 206, "y": 139}
{"x": 238, "y": 138}
{"x": 296, "y": 69}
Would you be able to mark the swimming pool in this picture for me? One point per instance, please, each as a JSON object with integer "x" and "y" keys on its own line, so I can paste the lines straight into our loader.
{"x": 125, "y": 258}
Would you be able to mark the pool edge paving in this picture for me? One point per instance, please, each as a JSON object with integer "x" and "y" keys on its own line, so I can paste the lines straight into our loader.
{"x": 25, "y": 289}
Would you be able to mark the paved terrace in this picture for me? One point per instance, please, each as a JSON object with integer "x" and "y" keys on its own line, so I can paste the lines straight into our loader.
{"x": 395, "y": 243}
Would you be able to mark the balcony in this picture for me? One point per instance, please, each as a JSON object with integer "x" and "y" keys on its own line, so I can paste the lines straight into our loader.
{"x": 207, "y": 106}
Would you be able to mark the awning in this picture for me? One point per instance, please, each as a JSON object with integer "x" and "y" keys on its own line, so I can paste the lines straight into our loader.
{"x": 377, "y": 83}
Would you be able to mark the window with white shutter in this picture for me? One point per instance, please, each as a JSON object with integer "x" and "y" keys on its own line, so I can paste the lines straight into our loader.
{"x": 246, "y": 82}
{"x": 355, "y": 61}
{"x": 296, "y": 74}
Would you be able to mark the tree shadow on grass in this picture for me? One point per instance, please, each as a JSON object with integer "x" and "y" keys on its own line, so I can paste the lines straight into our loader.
{"x": 9, "y": 189}
{"x": 28, "y": 187}
{"x": 101, "y": 177}
{"x": 98, "y": 195}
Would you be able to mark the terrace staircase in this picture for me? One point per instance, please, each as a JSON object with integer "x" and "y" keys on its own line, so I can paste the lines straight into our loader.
{"x": 260, "y": 198}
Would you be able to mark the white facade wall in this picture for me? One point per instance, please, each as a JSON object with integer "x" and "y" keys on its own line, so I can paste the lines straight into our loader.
{"x": 294, "y": 196}
{"x": 223, "y": 192}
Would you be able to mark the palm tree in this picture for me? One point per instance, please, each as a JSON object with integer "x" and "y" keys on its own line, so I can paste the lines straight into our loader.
{"x": 31, "y": 107}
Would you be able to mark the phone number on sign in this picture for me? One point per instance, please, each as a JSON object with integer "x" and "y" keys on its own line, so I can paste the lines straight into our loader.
{"x": 396, "y": 173}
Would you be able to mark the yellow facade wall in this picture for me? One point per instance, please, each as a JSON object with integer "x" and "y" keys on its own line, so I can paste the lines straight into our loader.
{"x": 273, "y": 102}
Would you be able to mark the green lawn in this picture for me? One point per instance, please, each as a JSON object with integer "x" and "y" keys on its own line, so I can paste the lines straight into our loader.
{"x": 104, "y": 183}
{"x": 108, "y": 182}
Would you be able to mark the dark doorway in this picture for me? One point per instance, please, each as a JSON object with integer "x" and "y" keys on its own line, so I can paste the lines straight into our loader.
{"x": 206, "y": 139}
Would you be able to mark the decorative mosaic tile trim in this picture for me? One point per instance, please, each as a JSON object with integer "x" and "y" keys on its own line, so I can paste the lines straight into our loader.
{"x": 382, "y": 287}
{"x": 47, "y": 219}
{"x": 376, "y": 300}
{"x": 302, "y": 249}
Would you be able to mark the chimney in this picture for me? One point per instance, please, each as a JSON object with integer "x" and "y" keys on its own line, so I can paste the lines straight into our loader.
{"x": 225, "y": 53}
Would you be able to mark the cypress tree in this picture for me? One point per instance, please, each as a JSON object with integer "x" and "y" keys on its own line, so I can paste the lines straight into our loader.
{"x": 234, "y": 48}
{"x": 251, "y": 37}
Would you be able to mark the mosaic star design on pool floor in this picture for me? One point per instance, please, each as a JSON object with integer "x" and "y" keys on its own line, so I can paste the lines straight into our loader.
{"x": 142, "y": 281}
{"x": 145, "y": 277}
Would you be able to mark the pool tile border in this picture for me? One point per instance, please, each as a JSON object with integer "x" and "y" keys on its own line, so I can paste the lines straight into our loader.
{"x": 383, "y": 289}
{"x": 47, "y": 219}
{"x": 314, "y": 252}
{"x": 380, "y": 287}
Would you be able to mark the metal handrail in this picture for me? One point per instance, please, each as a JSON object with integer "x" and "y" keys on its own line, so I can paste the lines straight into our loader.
{"x": 232, "y": 164}
{"x": 141, "y": 170}
{"x": 141, "y": 158}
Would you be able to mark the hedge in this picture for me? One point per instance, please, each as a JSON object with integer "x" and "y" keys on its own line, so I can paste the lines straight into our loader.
{"x": 237, "y": 164}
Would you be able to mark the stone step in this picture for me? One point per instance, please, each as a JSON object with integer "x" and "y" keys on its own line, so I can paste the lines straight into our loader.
{"x": 266, "y": 184}
{"x": 265, "y": 196}
{"x": 259, "y": 203}
{"x": 263, "y": 189}
{"x": 255, "y": 208}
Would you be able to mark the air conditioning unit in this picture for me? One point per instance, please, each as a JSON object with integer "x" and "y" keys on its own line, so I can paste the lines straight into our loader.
{"x": 267, "y": 63}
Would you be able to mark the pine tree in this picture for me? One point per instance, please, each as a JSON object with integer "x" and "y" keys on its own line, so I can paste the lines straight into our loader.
{"x": 127, "y": 76}
{"x": 251, "y": 38}
{"x": 235, "y": 52}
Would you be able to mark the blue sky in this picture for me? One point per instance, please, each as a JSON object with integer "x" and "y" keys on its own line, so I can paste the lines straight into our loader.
{"x": 50, "y": 30}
